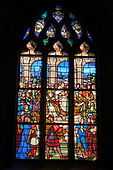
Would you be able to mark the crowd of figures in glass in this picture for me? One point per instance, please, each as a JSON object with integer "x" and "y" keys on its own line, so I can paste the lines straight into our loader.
{"x": 52, "y": 46}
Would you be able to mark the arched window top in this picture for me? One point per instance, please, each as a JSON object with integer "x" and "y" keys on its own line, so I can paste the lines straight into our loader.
{"x": 58, "y": 24}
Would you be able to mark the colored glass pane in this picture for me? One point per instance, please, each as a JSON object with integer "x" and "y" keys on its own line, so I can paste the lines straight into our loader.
{"x": 48, "y": 102}
{"x": 27, "y": 141}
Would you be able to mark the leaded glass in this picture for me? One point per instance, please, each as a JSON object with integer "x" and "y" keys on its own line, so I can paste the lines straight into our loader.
{"x": 56, "y": 90}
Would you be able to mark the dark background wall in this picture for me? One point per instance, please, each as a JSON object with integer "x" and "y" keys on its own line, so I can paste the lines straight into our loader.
{"x": 14, "y": 18}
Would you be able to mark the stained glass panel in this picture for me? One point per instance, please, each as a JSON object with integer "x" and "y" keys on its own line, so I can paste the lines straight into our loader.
{"x": 57, "y": 75}
{"x": 28, "y": 106}
{"x": 49, "y": 101}
{"x": 85, "y": 73}
{"x": 31, "y": 77}
{"x": 56, "y": 142}
{"x": 27, "y": 141}
{"x": 85, "y": 142}
{"x": 57, "y": 106}
{"x": 85, "y": 107}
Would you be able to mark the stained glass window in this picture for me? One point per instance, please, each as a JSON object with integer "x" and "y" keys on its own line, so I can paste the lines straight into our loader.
{"x": 56, "y": 90}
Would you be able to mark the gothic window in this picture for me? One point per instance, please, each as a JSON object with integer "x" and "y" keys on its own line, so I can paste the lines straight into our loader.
{"x": 56, "y": 91}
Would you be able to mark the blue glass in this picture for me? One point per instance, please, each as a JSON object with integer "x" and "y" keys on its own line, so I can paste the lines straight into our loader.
{"x": 89, "y": 69}
{"x": 36, "y": 69}
{"x": 24, "y": 146}
{"x": 63, "y": 70}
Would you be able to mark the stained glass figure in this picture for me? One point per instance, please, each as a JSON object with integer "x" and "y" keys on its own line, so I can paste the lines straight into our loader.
{"x": 64, "y": 32}
{"x": 58, "y": 15}
{"x": 28, "y": 106}
{"x": 31, "y": 76}
{"x": 39, "y": 25}
{"x": 51, "y": 31}
{"x": 85, "y": 107}
{"x": 77, "y": 28}
{"x": 85, "y": 142}
{"x": 57, "y": 106}
{"x": 56, "y": 142}
{"x": 58, "y": 72}
{"x": 84, "y": 73}
{"x": 27, "y": 141}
